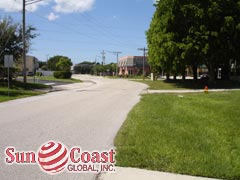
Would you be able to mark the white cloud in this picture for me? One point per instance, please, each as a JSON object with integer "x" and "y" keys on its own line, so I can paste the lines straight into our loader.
{"x": 70, "y": 6}
{"x": 52, "y": 16}
{"x": 16, "y": 5}
{"x": 10, "y": 5}
{"x": 60, "y": 6}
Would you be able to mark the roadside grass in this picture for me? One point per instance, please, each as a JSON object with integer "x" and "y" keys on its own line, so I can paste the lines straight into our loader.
{"x": 197, "y": 134}
{"x": 19, "y": 90}
{"x": 51, "y": 78}
{"x": 139, "y": 77}
{"x": 189, "y": 84}
{"x": 28, "y": 86}
{"x": 129, "y": 77}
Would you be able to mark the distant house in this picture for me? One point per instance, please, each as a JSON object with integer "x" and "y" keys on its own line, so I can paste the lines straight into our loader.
{"x": 31, "y": 65}
{"x": 133, "y": 65}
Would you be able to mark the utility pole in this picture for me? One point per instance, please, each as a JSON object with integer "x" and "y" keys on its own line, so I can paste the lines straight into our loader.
{"x": 25, "y": 3}
{"x": 116, "y": 53}
{"x": 103, "y": 57}
{"x": 24, "y": 41}
{"x": 144, "y": 57}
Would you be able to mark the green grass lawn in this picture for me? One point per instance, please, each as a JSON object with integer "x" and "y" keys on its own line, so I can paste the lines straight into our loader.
{"x": 198, "y": 134}
{"x": 188, "y": 84}
{"x": 161, "y": 85}
{"x": 129, "y": 77}
{"x": 51, "y": 78}
{"x": 19, "y": 90}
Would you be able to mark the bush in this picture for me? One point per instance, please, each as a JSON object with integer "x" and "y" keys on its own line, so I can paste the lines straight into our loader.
{"x": 13, "y": 72}
{"x": 62, "y": 74}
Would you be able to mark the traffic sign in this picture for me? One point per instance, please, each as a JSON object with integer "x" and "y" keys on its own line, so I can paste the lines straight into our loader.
{"x": 8, "y": 61}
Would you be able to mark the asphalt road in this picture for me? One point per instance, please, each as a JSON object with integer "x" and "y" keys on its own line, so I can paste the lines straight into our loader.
{"x": 85, "y": 114}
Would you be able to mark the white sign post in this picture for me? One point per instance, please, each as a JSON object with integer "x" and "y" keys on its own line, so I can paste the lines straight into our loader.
{"x": 8, "y": 63}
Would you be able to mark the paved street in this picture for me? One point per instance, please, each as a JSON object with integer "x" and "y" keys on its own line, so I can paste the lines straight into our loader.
{"x": 85, "y": 114}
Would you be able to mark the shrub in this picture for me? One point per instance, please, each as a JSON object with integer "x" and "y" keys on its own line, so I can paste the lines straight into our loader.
{"x": 62, "y": 74}
{"x": 13, "y": 72}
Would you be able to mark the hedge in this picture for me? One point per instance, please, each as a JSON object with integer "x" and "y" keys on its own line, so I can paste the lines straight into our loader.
{"x": 62, "y": 74}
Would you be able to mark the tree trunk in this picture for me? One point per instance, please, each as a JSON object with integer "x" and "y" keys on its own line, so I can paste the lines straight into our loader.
{"x": 211, "y": 74}
{"x": 167, "y": 76}
{"x": 155, "y": 76}
{"x": 228, "y": 73}
{"x": 175, "y": 77}
{"x": 183, "y": 74}
{"x": 195, "y": 75}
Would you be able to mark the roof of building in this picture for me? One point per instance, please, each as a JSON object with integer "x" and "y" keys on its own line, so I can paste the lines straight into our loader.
{"x": 128, "y": 57}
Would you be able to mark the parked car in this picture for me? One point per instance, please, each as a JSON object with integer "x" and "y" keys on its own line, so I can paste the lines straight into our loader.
{"x": 30, "y": 74}
{"x": 204, "y": 76}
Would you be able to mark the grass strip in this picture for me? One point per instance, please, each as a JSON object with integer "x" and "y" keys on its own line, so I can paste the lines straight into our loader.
{"x": 19, "y": 90}
{"x": 197, "y": 134}
{"x": 189, "y": 84}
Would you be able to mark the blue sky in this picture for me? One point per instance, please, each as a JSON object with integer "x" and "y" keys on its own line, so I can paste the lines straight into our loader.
{"x": 82, "y": 29}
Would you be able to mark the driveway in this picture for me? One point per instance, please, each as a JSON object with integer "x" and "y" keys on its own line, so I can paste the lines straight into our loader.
{"x": 85, "y": 114}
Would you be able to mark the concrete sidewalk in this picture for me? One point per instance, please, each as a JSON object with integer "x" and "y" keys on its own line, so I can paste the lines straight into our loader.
{"x": 140, "y": 174}
{"x": 149, "y": 91}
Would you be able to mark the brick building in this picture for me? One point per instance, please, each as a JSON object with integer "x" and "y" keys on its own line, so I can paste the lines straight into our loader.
{"x": 133, "y": 65}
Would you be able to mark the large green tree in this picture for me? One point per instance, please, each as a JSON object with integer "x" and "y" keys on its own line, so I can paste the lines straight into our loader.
{"x": 64, "y": 64}
{"x": 11, "y": 38}
{"x": 59, "y": 63}
{"x": 189, "y": 33}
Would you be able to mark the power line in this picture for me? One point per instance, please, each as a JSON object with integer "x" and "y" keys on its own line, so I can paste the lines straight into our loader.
{"x": 32, "y": 2}
{"x": 95, "y": 25}
{"x": 92, "y": 26}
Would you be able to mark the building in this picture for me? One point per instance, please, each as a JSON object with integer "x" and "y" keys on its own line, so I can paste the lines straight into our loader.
{"x": 133, "y": 65}
{"x": 31, "y": 65}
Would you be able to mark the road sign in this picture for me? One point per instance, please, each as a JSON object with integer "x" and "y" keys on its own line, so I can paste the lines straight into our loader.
{"x": 8, "y": 61}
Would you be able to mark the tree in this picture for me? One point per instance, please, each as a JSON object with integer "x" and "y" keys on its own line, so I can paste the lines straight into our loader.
{"x": 42, "y": 65}
{"x": 11, "y": 38}
{"x": 64, "y": 64}
{"x": 223, "y": 36}
{"x": 85, "y": 67}
{"x": 98, "y": 68}
{"x": 155, "y": 37}
{"x": 192, "y": 33}
{"x": 11, "y": 43}
{"x": 110, "y": 68}
{"x": 53, "y": 61}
